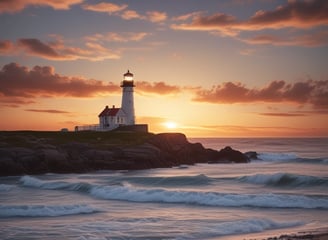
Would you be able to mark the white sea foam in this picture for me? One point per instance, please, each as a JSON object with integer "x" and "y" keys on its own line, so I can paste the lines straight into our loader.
{"x": 5, "y": 187}
{"x": 35, "y": 182}
{"x": 277, "y": 156}
{"x": 269, "y": 200}
{"x": 285, "y": 179}
{"x": 44, "y": 210}
{"x": 251, "y": 226}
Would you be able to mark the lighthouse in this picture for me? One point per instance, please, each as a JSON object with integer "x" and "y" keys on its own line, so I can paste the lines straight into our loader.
{"x": 122, "y": 119}
{"x": 127, "y": 105}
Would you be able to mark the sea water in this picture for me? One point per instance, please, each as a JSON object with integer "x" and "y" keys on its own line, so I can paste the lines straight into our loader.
{"x": 284, "y": 191}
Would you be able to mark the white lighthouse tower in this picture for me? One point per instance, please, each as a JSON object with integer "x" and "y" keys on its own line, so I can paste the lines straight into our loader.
{"x": 127, "y": 98}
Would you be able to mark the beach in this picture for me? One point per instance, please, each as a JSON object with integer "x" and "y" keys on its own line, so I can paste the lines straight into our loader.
{"x": 282, "y": 193}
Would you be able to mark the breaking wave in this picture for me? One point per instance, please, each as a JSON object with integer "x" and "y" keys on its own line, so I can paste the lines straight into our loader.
{"x": 277, "y": 156}
{"x": 285, "y": 180}
{"x": 251, "y": 226}
{"x": 172, "y": 181}
{"x": 290, "y": 158}
{"x": 45, "y": 210}
{"x": 128, "y": 192}
{"x": 54, "y": 185}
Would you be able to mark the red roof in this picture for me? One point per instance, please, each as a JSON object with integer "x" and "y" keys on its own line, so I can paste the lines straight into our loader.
{"x": 109, "y": 112}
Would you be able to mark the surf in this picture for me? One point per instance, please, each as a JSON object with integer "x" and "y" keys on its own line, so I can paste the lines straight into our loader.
{"x": 45, "y": 210}
{"x": 285, "y": 180}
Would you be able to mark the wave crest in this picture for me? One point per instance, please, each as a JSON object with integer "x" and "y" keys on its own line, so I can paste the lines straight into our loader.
{"x": 45, "y": 210}
{"x": 270, "y": 200}
{"x": 285, "y": 180}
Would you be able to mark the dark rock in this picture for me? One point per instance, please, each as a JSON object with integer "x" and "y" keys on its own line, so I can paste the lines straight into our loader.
{"x": 251, "y": 155}
{"x": 156, "y": 151}
{"x": 233, "y": 155}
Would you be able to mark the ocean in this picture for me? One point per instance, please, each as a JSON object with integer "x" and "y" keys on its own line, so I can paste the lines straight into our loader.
{"x": 283, "y": 192}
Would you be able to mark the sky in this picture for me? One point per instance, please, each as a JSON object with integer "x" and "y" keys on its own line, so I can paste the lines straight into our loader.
{"x": 238, "y": 68}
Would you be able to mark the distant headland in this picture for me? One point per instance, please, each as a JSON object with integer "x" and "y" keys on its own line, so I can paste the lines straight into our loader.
{"x": 40, "y": 152}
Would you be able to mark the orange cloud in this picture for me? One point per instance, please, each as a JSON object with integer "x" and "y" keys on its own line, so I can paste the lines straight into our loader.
{"x": 109, "y": 8}
{"x": 306, "y": 92}
{"x": 6, "y": 46}
{"x": 13, "y": 6}
{"x": 156, "y": 88}
{"x": 131, "y": 14}
{"x": 155, "y": 16}
{"x": 118, "y": 37}
{"x": 20, "y": 82}
{"x": 47, "y": 111}
{"x": 274, "y": 114}
{"x": 124, "y": 13}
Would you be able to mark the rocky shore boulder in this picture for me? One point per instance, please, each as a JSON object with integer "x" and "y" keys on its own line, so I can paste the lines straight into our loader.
{"x": 61, "y": 154}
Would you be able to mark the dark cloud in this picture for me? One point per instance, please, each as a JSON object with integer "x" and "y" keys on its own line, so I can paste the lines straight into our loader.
{"x": 319, "y": 38}
{"x": 20, "y": 85}
{"x": 18, "y": 5}
{"x": 156, "y": 88}
{"x": 37, "y": 47}
{"x": 58, "y": 51}
{"x": 306, "y": 92}
{"x": 294, "y": 14}
{"x": 19, "y": 81}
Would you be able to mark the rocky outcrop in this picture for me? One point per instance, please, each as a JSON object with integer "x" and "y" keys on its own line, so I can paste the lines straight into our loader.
{"x": 157, "y": 151}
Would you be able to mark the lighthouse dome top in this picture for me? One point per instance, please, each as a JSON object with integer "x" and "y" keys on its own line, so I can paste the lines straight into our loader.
{"x": 128, "y": 76}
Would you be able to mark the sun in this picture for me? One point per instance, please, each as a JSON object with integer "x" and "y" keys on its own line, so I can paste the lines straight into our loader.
{"x": 170, "y": 125}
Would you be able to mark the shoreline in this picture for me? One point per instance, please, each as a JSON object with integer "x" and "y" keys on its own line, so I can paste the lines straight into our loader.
{"x": 306, "y": 234}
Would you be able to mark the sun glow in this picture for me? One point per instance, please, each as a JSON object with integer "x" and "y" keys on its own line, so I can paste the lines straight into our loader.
{"x": 170, "y": 125}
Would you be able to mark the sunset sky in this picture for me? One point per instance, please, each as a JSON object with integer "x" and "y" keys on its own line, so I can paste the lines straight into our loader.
{"x": 237, "y": 68}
